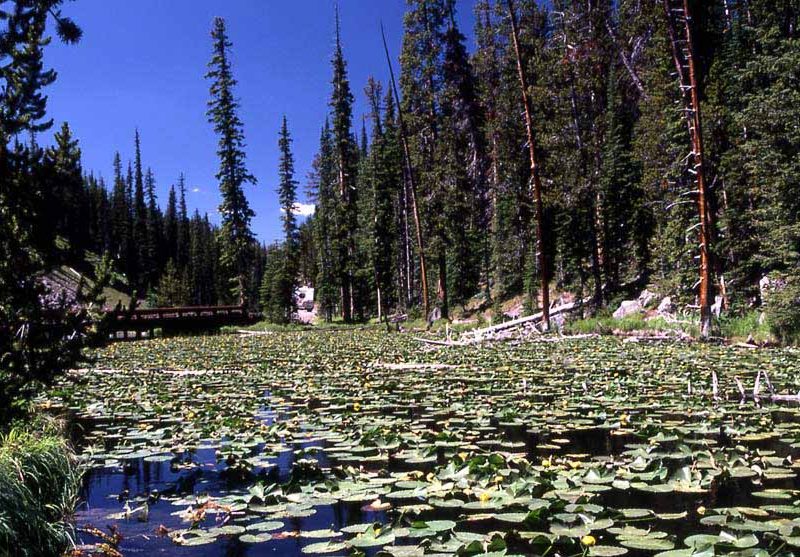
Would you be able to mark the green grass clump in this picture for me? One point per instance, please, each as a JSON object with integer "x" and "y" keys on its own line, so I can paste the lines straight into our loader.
{"x": 39, "y": 485}
{"x": 739, "y": 327}
{"x": 318, "y": 325}
{"x": 783, "y": 310}
{"x": 605, "y": 324}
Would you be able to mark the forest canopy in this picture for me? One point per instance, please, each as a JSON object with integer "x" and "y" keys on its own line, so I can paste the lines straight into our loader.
{"x": 587, "y": 147}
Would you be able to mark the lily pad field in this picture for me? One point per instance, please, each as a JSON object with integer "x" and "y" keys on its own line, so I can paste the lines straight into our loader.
{"x": 365, "y": 443}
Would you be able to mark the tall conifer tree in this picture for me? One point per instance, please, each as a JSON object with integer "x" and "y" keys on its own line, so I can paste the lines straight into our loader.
{"x": 223, "y": 108}
{"x": 280, "y": 283}
{"x": 345, "y": 158}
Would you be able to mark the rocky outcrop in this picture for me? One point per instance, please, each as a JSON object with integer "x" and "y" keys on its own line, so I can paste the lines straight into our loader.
{"x": 666, "y": 307}
{"x": 646, "y": 298}
{"x": 628, "y": 308}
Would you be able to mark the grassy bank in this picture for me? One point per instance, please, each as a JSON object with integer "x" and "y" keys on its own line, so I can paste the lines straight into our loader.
{"x": 606, "y": 325}
{"x": 735, "y": 328}
{"x": 39, "y": 484}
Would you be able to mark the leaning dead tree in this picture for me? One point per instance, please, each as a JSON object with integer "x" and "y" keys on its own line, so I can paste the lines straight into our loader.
{"x": 679, "y": 27}
{"x": 535, "y": 178}
{"x": 411, "y": 183}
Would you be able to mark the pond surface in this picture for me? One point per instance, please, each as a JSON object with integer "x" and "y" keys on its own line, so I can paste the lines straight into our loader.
{"x": 347, "y": 443}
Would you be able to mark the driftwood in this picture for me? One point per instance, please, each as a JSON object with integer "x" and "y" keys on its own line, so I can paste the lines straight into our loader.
{"x": 503, "y": 331}
{"x": 762, "y": 378}
{"x": 479, "y": 334}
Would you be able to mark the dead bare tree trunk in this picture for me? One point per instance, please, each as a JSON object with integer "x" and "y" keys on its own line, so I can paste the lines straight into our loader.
{"x": 412, "y": 186}
{"x": 626, "y": 61}
{"x": 535, "y": 178}
{"x": 677, "y": 12}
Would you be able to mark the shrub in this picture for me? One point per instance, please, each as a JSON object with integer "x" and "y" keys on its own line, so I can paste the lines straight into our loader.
{"x": 39, "y": 485}
{"x": 783, "y": 310}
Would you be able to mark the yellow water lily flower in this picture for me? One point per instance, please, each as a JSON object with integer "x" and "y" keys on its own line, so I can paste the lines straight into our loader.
{"x": 357, "y": 407}
{"x": 701, "y": 510}
{"x": 588, "y": 540}
{"x": 484, "y": 497}
{"x": 547, "y": 463}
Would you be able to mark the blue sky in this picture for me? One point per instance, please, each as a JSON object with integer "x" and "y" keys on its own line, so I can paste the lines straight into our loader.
{"x": 141, "y": 64}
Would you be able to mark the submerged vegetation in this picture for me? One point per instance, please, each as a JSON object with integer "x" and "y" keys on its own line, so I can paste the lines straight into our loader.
{"x": 341, "y": 441}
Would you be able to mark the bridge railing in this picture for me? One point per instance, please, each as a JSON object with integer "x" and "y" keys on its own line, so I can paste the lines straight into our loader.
{"x": 188, "y": 312}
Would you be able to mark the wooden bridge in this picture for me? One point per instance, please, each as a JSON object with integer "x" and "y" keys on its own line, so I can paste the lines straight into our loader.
{"x": 123, "y": 323}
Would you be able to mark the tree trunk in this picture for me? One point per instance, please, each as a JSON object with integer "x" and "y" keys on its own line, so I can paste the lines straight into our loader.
{"x": 637, "y": 82}
{"x": 535, "y": 179}
{"x": 411, "y": 183}
{"x": 441, "y": 287}
{"x": 683, "y": 56}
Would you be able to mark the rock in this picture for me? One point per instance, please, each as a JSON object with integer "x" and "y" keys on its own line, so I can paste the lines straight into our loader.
{"x": 763, "y": 286}
{"x": 628, "y": 307}
{"x": 435, "y": 315}
{"x": 646, "y": 298}
{"x": 769, "y": 284}
{"x": 762, "y": 318}
{"x": 666, "y": 307}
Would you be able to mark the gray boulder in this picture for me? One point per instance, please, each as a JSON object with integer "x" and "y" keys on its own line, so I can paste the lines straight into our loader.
{"x": 646, "y": 298}
{"x": 628, "y": 307}
{"x": 434, "y": 315}
{"x": 666, "y": 307}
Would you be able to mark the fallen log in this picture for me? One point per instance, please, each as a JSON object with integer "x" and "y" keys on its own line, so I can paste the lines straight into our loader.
{"x": 479, "y": 334}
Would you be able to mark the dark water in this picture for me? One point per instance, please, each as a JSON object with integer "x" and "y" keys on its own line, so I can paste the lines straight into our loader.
{"x": 138, "y": 479}
{"x": 106, "y": 490}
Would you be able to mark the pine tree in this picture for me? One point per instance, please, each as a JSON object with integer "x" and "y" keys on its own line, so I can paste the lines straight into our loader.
{"x": 182, "y": 237}
{"x": 385, "y": 177}
{"x": 542, "y": 235}
{"x": 236, "y": 236}
{"x": 121, "y": 220}
{"x": 462, "y": 167}
{"x": 284, "y": 280}
{"x": 420, "y": 82}
{"x": 271, "y": 291}
{"x": 171, "y": 223}
{"x": 173, "y": 287}
{"x": 68, "y": 201}
{"x": 139, "y": 234}
{"x": 757, "y": 74}
{"x": 32, "y": 352}
{"x": 345, "y": 160}
{"x": 323, "y": 180}
{"x": 152, "y": 261}
{"x": 624, "y": 222}
{"x": 99, "y": 215}
{"x": 22, "y": 103}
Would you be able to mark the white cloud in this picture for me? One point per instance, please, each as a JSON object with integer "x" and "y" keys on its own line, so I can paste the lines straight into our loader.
{"x": 303, "y": 209}
{"x": 195, "y": 190}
